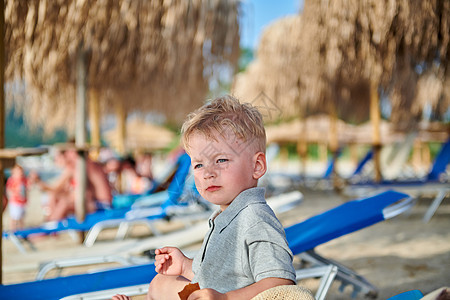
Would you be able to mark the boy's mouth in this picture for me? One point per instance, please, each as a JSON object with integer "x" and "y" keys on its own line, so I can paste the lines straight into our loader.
{"x": 212, "y": 188}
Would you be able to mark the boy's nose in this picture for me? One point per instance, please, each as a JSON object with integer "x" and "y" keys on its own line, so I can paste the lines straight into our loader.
{"x": 210, "y": 172}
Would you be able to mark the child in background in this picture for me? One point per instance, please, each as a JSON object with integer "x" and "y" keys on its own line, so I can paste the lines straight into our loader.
{"x": 16, "y": 193}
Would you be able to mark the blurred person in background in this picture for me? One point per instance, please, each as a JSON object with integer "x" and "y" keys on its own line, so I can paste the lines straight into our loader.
{"x": 132, "y": 182}
{"x": 61, "y": 201}
{"x": 16, "y": 195}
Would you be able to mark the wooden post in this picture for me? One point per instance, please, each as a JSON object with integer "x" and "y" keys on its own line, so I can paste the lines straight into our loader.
{"x": 121, "y": 127}
{"x": 417, "y": 155}
{"x": 80, "y": 136}
{"x": 323, "y": 151}
{"x": 2, "y": 122}
{"x": 375, "y": 118}
{"x": 302, "y": 142}
{"x": 302, "y": 145}
{"x": 333, "y": 140}
{"x": 354, "y": 153}
{"x": 94, "y": 118}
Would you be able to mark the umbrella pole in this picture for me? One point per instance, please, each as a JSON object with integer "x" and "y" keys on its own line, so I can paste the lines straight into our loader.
{"x": 121, "y": 126}
{"x": 375, "y": 118}
{"x": 2, "y": 124}
{"x": 80, "y": 137}
{"x": 334, "y": 142}
{"x": 302, "y": 146}
{"x": 94, "y": 118}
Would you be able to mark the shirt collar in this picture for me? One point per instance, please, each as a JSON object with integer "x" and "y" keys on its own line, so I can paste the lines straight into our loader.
{"x": 245, "y": 198}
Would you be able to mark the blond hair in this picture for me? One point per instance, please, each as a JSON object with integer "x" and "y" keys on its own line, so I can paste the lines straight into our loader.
{"x": 226, "y": 112}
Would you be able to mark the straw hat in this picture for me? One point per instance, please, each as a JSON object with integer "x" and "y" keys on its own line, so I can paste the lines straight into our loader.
{"x": 285, "y": 292}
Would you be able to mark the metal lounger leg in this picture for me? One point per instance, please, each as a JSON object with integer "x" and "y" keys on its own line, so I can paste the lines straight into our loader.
{"x": 434, "y": 206}
{"x": 327, "y": 274}
{"x": 344, "y": 274}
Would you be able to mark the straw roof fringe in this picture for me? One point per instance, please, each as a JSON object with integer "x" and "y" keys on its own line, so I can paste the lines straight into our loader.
{"x": 382, "y": 42}
{"x": 152, "y": 55}
{"x": 141, "y": 135}
{"x": 318, "y": 132}
{"x": 339, "y": 48}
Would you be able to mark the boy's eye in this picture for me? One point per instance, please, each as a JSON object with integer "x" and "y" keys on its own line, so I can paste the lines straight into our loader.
{"x": 222, "y": 160}
{"x": 198, "y": 166}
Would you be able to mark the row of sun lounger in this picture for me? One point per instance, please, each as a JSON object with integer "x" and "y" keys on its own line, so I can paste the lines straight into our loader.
{"x": 303, "y": 238}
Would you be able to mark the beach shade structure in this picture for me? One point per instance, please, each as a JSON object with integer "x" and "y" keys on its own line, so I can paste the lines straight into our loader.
{"x": 137, "y": 55}
{"x": 393, "y": 158}
{"x": 435, "y": 182}
{"x": 141, "y": 135}
{"x": 337, "y": 59}
{"x": 127, "y": 56}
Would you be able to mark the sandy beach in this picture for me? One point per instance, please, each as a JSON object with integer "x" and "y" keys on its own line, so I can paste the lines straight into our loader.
{"x": 395, "y": 255}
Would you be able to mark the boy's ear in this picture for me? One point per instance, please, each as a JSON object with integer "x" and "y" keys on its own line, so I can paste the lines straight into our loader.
{"x": 260, "y": 165}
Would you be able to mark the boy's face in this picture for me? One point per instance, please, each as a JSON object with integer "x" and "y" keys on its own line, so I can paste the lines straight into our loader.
{"x": 223, "y": 168}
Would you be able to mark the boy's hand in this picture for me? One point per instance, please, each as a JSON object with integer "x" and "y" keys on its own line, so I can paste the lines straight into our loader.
{"x": 170, "y": 261}
{"x": 207, "y": 294}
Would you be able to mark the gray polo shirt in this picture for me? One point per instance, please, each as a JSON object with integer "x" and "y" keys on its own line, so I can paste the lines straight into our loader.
{"x": 245, "y": 243}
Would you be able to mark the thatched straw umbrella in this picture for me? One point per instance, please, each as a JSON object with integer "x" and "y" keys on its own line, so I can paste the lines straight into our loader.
{"x": 135, "y": 55}
{"x": 349, "y": 50}
{"x": 274, "y": 74}
{"x": 142, "y": 135}
{"x": 379, "y": 44}
{"x": 271, "y": 72}
{"x": 147, "y": 55}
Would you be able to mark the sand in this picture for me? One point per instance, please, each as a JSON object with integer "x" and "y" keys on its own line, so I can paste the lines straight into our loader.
{"x": 396, "y": 255}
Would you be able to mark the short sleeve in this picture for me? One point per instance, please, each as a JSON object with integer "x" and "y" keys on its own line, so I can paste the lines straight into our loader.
{"x": 268, "y": 252}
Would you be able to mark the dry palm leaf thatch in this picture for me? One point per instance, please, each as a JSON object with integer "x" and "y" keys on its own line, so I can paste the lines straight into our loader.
{"x": 151, "y": 55}
{"x": 319, "y": 130}
{"x": 142, "y": 135}
{"x": 272, "y": 72}
{"x": 378, "y": 42}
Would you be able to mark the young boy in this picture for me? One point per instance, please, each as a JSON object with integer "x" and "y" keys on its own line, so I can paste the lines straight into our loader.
{"x": 16, "y": 193}
{"x": 245, "y": 250}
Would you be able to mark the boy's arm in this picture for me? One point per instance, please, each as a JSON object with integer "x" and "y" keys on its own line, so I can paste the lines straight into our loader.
{"x": 171, "y": 261}
{"x": 254, "y": 289}
{"x": 247, "y": 292}
{"x": 188, "y": 274}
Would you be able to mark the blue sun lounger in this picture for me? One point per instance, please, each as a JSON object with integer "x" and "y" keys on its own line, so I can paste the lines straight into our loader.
{"x": 436, "y": 182}
{"x": 302, "y": 238}
{"x": 70, "y": 223}
{"x": 341, "y": 220}
{"x": 157, "y": 206}
{"x": 57, "y": 288}
{"x": 156, "y": 196}
{"x": 171, "y": 197}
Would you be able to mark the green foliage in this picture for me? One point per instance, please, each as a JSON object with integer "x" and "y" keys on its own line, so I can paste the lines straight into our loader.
{"x": 18, "y": 134}
{"x": 434, "y": 147}
{"x": 247, "y": 55}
